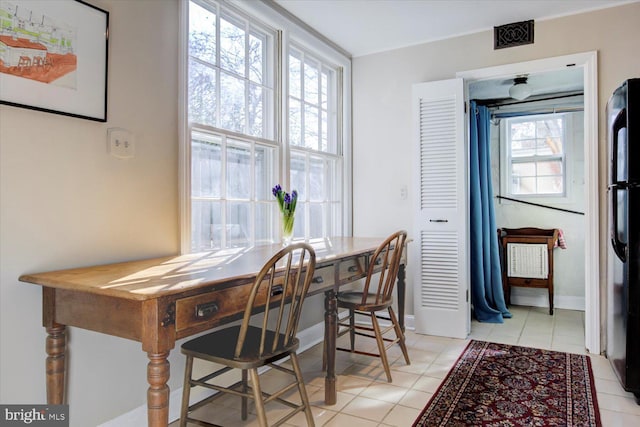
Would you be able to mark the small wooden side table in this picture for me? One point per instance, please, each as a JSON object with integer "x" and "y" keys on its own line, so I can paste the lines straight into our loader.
{"x": 527, "y": 235}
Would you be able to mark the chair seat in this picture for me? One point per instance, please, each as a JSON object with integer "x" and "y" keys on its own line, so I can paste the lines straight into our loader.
{"x": 220, "y": 346}
{"x": 353, "y": 300}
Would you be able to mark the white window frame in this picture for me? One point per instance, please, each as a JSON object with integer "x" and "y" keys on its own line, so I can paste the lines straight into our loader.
{"x": 506, "y": 162}
{"x": 291, "y": 30}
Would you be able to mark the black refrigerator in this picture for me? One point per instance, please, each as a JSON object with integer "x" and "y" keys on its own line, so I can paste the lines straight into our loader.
{"x": 623, "y": 287}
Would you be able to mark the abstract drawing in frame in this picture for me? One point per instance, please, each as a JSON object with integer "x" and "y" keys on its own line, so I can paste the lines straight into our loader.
{"x": 53, "y": 57}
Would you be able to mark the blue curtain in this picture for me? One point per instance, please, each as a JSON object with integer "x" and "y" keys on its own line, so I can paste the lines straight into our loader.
{"x": 487, "y": 295}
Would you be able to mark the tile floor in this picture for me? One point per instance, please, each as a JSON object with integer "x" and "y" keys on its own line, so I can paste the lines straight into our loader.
{"x": 366, "y": 399}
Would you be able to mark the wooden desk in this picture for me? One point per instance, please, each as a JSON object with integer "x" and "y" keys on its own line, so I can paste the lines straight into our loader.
{"x": 160, "y": 300}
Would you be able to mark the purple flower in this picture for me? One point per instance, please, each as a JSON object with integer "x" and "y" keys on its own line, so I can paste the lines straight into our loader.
{"x": 287, "y": 202}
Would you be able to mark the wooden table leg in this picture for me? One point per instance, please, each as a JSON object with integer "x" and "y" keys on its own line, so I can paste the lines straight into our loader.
{"x": 401, "y": 295}
{"x": 331, "y": 332}
{"x": 158, "y": 392}
{"x": 55, "y": 365}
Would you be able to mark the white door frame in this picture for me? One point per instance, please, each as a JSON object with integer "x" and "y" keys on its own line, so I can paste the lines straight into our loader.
{"x": 588, "y": 61}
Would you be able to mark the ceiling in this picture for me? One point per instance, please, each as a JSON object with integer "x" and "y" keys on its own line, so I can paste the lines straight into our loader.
{"x": 362, "y": 27}
{"x": 567, "y": 80}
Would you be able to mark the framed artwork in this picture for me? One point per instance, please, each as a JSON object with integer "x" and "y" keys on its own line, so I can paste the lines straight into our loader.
{"x": 53, "y": 57}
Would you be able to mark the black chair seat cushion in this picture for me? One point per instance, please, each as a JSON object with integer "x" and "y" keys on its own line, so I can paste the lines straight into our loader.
{"x": 220, "y": 347}
{"x": 353, "y": 300}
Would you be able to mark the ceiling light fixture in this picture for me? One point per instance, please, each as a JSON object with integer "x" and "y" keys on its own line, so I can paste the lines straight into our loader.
{"x": 520, "y": 89}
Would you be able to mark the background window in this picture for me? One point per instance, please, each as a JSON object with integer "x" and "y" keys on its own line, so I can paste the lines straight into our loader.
{"x": 535, "y": 153}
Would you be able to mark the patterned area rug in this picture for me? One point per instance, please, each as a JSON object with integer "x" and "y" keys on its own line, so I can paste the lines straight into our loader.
{"x": 504, "y": 385}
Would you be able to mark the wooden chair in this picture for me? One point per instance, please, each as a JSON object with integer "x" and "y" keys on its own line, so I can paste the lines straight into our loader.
{"x": 282, "y": 285}
{"x": 376, "y": 296}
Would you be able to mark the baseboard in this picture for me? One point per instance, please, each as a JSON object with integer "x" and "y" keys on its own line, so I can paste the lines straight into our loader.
{"x": 518, "y": 297}
{"x": 138, "y": 416}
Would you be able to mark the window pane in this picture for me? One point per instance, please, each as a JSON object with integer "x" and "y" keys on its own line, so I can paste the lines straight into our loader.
{"x": 524, "y": 169}
{"x": 549, "y": 146}
{"x": 523, "y": 185}
{"x": 311, "y": 82}
{"x": 265, "y": 168}
{"x": 206, "y": 165}
{"x": 324, "y": 89}
{"x": 317, "y": 176}
{"x": 256, "y": 103}
{"x": 523, "y": 130}
{"x": 295, "y": 123}
{"x": 231, "y": 103}
{"x": 311, "y": 127}
{"x": 237, "y": 229}
{"x": 324, "y": 136}
{"x": 294, "y": 75}
{"x": 202, "y": 94}
{"x": 232, "y": 40}
{"x": 299, "y": 222}
{"x": 550, "y": 168}
{"x": 523, "y": 148}
{"x": 265, "y": 219}
{"x": 239, "y": 171}
{"x": 549, "y": 128}
{"x": 206, "y": 218}
{"x": 317, "y": 219}
{"x": 298, "y": 176}
{"x": 256, "y": 58}
{"x": 550, "y": 185}
{"x": 202, "y": 33}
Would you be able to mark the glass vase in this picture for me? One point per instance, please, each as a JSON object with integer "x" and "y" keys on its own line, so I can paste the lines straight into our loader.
{"x": 287, "y": 229}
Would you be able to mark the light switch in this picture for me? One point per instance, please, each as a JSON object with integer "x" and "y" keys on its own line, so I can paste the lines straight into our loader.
{"x": 121, "y": 143}
{"x": 403, "y": 192}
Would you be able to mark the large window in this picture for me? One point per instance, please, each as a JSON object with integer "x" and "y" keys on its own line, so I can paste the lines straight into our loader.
{"x": 315, "y": 162}
{"x": 261, "y": 109}
{"x": 535, "y": 152}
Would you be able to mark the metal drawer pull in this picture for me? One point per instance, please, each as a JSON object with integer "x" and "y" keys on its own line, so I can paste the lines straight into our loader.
{"x": 438, "y": 220}
{"x": 318, "y": 279}
{"x": 353, "y": 269}
{"x": 206, "y": 310}
{"x": 276, "y": 290}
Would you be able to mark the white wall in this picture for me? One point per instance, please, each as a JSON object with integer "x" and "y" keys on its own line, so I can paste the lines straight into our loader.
{"x": 65, "y": 203}
{"x": 382, "y": 103}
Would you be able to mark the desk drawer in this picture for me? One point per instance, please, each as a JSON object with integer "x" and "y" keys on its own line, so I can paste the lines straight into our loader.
{"x": 323, "y": 278}
{"x": 352, "y": 269}
{"x": 202, "y": 309}
{"x": 208, "y": 309}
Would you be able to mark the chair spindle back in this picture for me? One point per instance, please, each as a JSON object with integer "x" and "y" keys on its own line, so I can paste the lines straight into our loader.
{"x": 387, "y": 257}
{"x": 284, "y": 280}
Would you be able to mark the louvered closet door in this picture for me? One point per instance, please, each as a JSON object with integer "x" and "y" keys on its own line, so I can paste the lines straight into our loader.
{"x": 440, "y": 262}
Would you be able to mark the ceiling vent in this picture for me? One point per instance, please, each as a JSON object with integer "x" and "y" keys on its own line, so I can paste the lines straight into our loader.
{"x": 515, "y": 34}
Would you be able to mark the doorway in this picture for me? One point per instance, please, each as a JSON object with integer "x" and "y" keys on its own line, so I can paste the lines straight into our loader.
{"x": 587, "y": 63}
